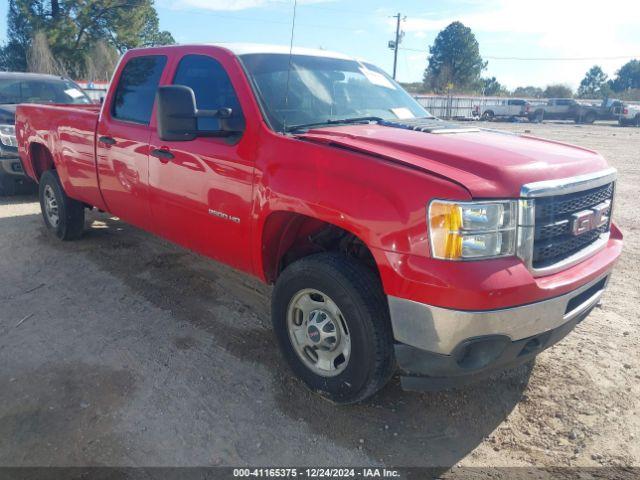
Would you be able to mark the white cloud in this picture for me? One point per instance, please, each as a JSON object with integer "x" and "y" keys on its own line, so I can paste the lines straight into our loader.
{"x": 568, "y": 27}
{"x": 550, "y": 28}
{"x": 235, "y": 5}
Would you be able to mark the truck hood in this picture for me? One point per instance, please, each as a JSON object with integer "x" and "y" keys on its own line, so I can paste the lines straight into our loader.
{"x": 488, "y": 163}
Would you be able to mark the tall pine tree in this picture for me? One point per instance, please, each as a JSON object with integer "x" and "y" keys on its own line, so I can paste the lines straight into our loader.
{"x": 74, "y": 27}
{"x": 454, "y": 61}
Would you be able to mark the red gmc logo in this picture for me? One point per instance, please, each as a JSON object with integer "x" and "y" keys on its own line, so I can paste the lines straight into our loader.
{"x": 587, "y": 220}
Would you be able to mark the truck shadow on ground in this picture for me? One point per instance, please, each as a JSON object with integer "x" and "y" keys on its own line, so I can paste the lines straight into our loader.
{"x": 393, "y": 428}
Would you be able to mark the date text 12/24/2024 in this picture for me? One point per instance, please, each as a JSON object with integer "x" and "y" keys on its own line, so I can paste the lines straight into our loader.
{"x": 315, "y": 473}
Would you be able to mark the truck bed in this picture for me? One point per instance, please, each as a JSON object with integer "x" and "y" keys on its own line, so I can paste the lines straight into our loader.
{"x": 69, "y": 132}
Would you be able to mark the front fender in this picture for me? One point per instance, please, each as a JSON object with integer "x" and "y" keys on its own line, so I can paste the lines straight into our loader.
{"x": 378, "y": 200}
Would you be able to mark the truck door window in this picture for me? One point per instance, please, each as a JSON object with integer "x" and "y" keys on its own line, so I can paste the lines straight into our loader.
{"x": 136, "y": 90}
{"x": 211, "y": 86}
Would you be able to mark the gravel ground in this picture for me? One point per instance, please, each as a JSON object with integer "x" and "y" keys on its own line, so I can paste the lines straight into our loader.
{"x": 121, "y": 349}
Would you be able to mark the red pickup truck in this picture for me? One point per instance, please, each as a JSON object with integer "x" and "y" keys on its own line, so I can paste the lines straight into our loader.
{"x": 395, "y": 240}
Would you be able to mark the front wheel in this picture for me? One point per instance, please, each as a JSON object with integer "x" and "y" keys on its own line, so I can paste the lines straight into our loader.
{"x": 488, "y": 116}
{"x": 63, "y": 216}
{"x": 332, "y": 323}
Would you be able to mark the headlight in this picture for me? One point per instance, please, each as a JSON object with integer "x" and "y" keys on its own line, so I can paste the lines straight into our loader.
{"x": 8, "y": 135}
{"x": 472, "y": 230}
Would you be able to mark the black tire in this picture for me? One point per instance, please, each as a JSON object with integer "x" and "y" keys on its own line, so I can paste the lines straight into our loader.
{"x": 537, "y": 117}
{"x": 637, "y": 120}
{"x": 11, "y": 185}
{"x": 589, "y": 118}
{"x": 488, "y": 116}
{"x": 7, "y": 186}
{"x": 70, "y": 224}
{"x": 357, "y": 292}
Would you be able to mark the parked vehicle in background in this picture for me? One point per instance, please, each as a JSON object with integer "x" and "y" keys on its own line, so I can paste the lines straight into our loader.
{"x": 554, "y": 109}
{"x": 96, "y": 91}
{"x": 18, "y": 88}
{"x": 507, "y": 108}
{"x": 393, "y": 238}
{"x": 630, "y": 116}
{"x": 578, "y": 111}
{"x": 608, "y": 109}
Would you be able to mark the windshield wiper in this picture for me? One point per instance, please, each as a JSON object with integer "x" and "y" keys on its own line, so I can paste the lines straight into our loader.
{"x": 341, "y": 121}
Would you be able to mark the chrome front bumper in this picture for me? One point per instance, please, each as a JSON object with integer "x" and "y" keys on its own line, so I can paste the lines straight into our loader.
{"x": 441, "y": 330}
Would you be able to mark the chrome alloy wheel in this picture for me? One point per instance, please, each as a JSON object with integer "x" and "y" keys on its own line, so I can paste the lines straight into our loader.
{"x": 51, "y": 206}
{"x": 318, "y": 332}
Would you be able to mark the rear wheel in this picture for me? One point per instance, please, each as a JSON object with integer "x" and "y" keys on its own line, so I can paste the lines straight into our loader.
{"x": 488, "y": 115}
{"x": 332, "y": 323}
{"x": 63, "y": 216}
{"x": 537, "y": 116}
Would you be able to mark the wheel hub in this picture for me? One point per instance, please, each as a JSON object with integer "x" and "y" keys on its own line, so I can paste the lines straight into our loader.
{"x": 318, "y": 332}
{"x": 51, "y": 206}
{"x": 321, "y": 330}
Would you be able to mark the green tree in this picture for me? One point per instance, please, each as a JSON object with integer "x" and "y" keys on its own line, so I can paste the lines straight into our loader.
{"x": 594, "y": 84}
{"x": 454, "y": 60}
{"x": 628, "y": 77}
{"x": 557, "y": 90}
{"x": 74, "y": 27}
{"x": 528, "y": 92}
{"x": 13, "y": 55}
{"x": 491, "y": 87}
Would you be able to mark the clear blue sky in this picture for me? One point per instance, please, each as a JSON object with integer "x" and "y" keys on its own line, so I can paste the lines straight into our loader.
{"x": 504, "y": 28}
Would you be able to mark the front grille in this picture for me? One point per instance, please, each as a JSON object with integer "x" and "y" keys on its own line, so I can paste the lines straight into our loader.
{"x": 553, "y": 238}
{"x": 567, "y": 204}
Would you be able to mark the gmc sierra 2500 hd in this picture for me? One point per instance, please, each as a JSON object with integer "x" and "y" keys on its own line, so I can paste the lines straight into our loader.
{"x": 394, "y": 239}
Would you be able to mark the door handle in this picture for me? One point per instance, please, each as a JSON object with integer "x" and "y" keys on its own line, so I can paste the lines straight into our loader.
{"x": 162, "y": 154}
{"x": 107, "y": 140}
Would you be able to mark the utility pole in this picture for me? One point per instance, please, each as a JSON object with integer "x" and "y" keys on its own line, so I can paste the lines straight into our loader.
{"x": 395, "y": 45}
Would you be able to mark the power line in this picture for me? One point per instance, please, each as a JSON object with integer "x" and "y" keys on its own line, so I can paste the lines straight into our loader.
{"x": 561, "y": 59}
{"x": 341, "y": 11}
{"x": 278, "y": 22}
{"x": 538, "y": 59}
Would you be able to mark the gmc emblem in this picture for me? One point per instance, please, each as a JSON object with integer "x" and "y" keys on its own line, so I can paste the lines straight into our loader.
{"x": 587, "y": 220}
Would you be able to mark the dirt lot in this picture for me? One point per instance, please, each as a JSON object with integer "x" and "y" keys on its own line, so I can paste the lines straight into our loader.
{"x": 131, "y": 351}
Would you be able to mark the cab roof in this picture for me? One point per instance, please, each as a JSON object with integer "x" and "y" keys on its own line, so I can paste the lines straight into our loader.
{"x": 29, "y": 76}
{"x": 240, "y": 49}
{"x": 251, "y": 48}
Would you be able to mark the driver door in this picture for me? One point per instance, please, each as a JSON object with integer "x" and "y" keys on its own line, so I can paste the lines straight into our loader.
{"x": 201, "y": 190}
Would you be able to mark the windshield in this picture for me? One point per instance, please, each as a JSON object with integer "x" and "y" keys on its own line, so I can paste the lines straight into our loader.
{"x": 322, "y": 89}
{"x": 22, "y": 90}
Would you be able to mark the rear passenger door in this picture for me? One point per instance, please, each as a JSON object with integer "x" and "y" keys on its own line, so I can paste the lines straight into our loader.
{"x": 551, "y": 110}
{"x": 122, "y": 139}
{"x": 515, "y": 107}
{"x": 202, "y": 193}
